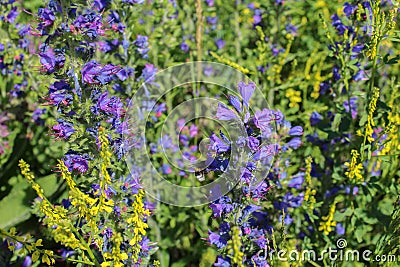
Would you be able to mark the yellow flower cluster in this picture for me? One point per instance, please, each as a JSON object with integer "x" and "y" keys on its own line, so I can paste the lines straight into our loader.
{"x": 309, "y": 195}
{"x": 81, "y": 201}
{"x": 354, "y": 169}
{"x": 103, "y": 204}
{"x": 234, "y": 246}
{"x": 105, "y": 155}
{"x": 327, "y": 224}
{"x": 229, "y": 63}
{"x": 55, "y": 218}
{"x": 115, "y": 258}
{"x": 392, "y": 130}
{"x": 136, "y": 219}
{"x": 370, "y": 121}
{"x": 294, "y": 98}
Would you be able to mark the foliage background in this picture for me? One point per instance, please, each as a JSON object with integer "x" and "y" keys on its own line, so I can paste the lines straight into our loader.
{"x": 289, "y": 66}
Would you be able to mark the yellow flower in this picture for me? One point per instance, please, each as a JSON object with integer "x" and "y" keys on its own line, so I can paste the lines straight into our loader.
{"x": 294, "y": 97}
{"x": 354, "y": 169}
{"x": 235, "y": 245}
{"x": 327, "y": 224}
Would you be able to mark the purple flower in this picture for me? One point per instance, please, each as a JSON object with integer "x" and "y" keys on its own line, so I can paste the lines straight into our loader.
{"x": 264, "y": 118}
{"x": 257, "y": 260}
{"x": 48, "y": 61}
{"x": 253, "y": 142}
{"x": 46, "y": 16}
{"x": 212, "y": 20}
{"x": 111, "y": 105}
{"x": 221, "y": 262}
{"x": 217, "y": 240}
{"x": 125, "y": 73}
{"x": 66, "y": 203}
{"x": 94, "y": 73}
{"x": 296, "y": 181}
{"x": 224, "y": 113}
{"x": 90, "y": 24}
{"x": 77, "y": 162}
{"x": 353, "y": 106}
{"x": 27, "y": 262}
{"x": 132, "y": 2}
{"x": 290, "y": 28}
{"x": 340, "y": 229}
{"x": 148, "y": 73}
{"x": 295, "y": 143}
{"x": 348, "y": 9}
{"x": 246, "y": 91}
{"x": 63, "y": 129}
{"x": 36, "y": 116}
{"x": 101, "y": 4}
{"x": 210, "y": 2}
{"x": 24, "y": 30}
{"x": 337, "y": 23}
{"x": 336, "y": 73}
{"x": 142, "y": 44}
{"x": 217, "y": 144}
{"x": 296, "y": 130}
{"x": 59, "y": 93}
{"x": 184, "y": 47}
{"x": 361, "y": 75}
{"x": 234, "y": 101}
{"x": 221, "y": 205}
{"x": 315, "y": 118}
{"x": 220, "y": 43}
{"x": 276, "y": 50}
{"x": 166, "y": 169}
{"x": 12, "y": 15}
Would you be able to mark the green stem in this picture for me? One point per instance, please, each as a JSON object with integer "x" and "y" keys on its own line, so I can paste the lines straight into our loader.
{"x": 88, "y": 249}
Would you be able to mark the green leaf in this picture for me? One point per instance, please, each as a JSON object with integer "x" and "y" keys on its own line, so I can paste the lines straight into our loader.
{"x": 363, "y": 119}
{"x": 14, "y": 207}
{"x": 336, "y": 122}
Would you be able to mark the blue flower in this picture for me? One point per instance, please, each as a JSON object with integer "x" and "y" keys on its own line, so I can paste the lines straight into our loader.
{"x": 295, "y": 143}
{"x": 297, "y": 181}
{"x": 46, "y": 16}
{"x": 263, "y": 119}
{"x": 340, "y": 230}
{"x": 221, "y": 262}
{"x": 75, "y": 161}
{"x": 63, "y": 129}
{"x": 184, "y": 47}
{"x": 246, "y": 91}
{"x": 142, "y": 44}
{"x": 297, "y": 130}
{"x": 348, "y": 9}
{"x": 315, "y": 118}
{"x": 225, "y": 113}
{"x": 12, "y": 15}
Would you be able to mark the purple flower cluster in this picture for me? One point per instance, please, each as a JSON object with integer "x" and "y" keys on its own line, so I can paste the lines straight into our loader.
{"x": 85, "y": 105}
{"x": 253, "y": 222}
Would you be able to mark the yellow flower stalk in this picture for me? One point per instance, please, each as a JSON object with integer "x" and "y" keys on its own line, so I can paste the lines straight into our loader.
{"x": 327, "y": 224}
{"x": 370, "y": 121}
{"x": 139, "y": 213}
{"x": 229, "y": 63}
{"x": 309, "y": 195}
{"x": 354, "y": 168}
{"x": 234, "y": 247}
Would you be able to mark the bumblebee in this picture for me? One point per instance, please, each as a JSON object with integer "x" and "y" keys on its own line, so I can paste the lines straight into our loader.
{"x": 200, "y": 170}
